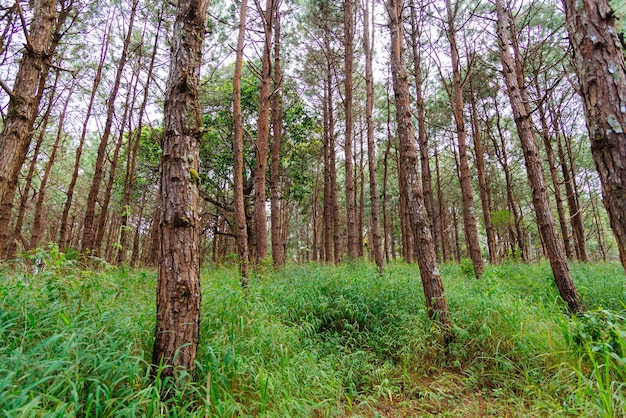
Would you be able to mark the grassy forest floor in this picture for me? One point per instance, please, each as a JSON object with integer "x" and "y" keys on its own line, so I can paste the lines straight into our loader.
{"x": 315, "y": 341}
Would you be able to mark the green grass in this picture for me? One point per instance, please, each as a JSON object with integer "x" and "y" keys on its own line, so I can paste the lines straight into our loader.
{"x": 315, "y": 341}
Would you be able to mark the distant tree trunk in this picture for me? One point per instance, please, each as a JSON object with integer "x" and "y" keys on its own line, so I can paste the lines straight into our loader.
{"x": 436, "y": 303}
{"x": 89, "y": 226}
{"x": 575, "y": 212}
{"x": 375, "y": 235}
{"x": 262, "y": 137}
{"x": 516, "y": 89}
{"x": 327, "y": 197}
{"x": 422, "y": 138}
{"x": 238, "y": 184}
{"x": 278, "y": 256}
{"x": 442, "y": 213}
{"x": 63, "y": 235}
{"x": 361, "y": 193}
{"x": 178, "y": 290}
{"x": 599, "y": 60}
{"x": 25, "y": 96}
{"x": 131, "y": 162}
{"x": 386, "y": 227}
{"x": 348, "y": 32}
{"x": 483, "y": 184}
{"x": 456, "y": 99}
{"x": 332, "y": 162}
{"x": 556, "y": 182}
{"x": 36, "y": 230}
{"x": 137, "y": 235}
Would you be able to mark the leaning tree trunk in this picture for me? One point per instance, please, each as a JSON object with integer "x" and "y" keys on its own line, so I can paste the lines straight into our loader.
{"x": 516, "y": 89}
{"x": 436, "y": 303}
{"x": 602, "y": 73}
{"x": 178, "y": 290}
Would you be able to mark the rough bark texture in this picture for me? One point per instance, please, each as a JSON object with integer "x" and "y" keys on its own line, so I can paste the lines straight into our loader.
{"x": 436, "y": 303}
{"x": 262, "y": 137}
{"x": 241, "y": 226}
{"x": 602, "y": 74}
{"x": 278, "y": 256}
{"x": 467, "y": 196}
{"x": 178, "y": 291}
{"x": 376, "y": 238}
{"x": 516, "y": 90}
{"x": 351, "y": 227}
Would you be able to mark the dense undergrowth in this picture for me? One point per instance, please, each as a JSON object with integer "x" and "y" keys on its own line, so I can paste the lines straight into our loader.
{"x": 314, "y": 341}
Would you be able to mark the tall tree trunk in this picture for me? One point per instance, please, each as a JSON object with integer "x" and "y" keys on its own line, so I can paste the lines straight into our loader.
{"x": 601, "y": 71}
{"x": 361, "y": 192}
{"x": 348, "y": 34}
{"x": 241, "y": 225}
{"x": 483, "y": 184}
{"x": 469, "y": 215}
{"x": 516, "y": 89}
{"x": 63, "y": 235}
{"x": 278, "y": 256}
{"x": 368, "y": 45}
{"x": 386, "y": 224}
{"x": 36, "y": 230}
{"x": 26, "y": 95}
{"x": 262, "y": 136}
{"x": 436, "y": 303}
{"x": 327, "y": 209}
{"x": 89, "y": 230}
{"x": 422, "y": 138}
{"x": 442, "y": 213}
{"x": 178, "y": 290}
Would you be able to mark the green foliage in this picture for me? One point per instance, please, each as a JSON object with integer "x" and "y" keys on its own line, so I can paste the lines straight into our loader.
{"x": 312, "y": 341}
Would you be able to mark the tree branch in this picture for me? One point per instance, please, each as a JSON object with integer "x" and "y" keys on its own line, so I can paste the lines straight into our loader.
{"x": 6, "y": 88}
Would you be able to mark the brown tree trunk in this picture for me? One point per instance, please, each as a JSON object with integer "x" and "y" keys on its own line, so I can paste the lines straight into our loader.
{"x": 241, "y": 225}
{"x": 26, "y": 95}
{"x": 361, "y": 193}
{"x": 327, "y": 197}
{"x": 278, "y": 256}
{"x": 601, "y": 71}
{"x": 36, "y": 231}
{"x": 262, "y": 136}
{"x": 375, "y": 235}
{"x": 63, "y": 235}
{"x": 483, "y": 184}
{"x": 178, "y": 290}
{"x": 442, "y": 213}
{"x": 516, "y": 90}
{"x": 436, "y": 303}
{"x": 386, "y": 226}
{"x": 89, "y": 225}
{"x": 467, "y": 197}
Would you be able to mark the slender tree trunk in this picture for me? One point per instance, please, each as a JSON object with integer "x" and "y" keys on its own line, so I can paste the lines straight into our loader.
{"x": 327, "y": 209}
{"x": 386, "y": 227}
{"x": 89, "y": 229}
{"x": 63, "y": 235}
{"x": 333, "y": 172}
{"x": 278, "y": 256}
{"x": 516, "y": 89}
{"x": 442, "y": 212}
{"x": 601, "y": 70}
{"x": 361, "y": 190}
{"x": 240, "y": 204}
{"x": 178, "y": 290}
{"x": 36, "y": 231}
{"x": 431, "y": 280}
{"x": 262, "y": 137}
{"x": 375, "y": 235}
{"x": 469, "y": 215}
{"x": 137, "y": 235}
{"x": 483, "y": 184}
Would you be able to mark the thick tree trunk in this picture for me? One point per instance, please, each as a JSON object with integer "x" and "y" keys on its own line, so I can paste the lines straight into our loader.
{"x": 431, "y": 280}
{"x": 241, "y": 226}
{"x": 467, "y": 196}
{"x": 26, "y": 95}
{"x": 262, "y": 137}
{"x": 89, "y": 226}
{"x": 368, "y": 44}
{"x": 278, "y": 256}
{"x": 516, "y": 90}
{"x": 178, "y": 291}
{"x": 601, "y": 71}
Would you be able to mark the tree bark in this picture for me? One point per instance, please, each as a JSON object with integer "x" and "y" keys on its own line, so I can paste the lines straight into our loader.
{"x": 516, "y": 90}
{"x": 178, "y": 291}
{"x": 601, "y": 72}
{"x": 467, "y": 197}
{"x": 436, "y": 303}
{"x": 239, "y": 201}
